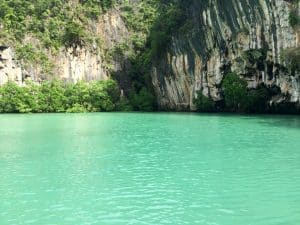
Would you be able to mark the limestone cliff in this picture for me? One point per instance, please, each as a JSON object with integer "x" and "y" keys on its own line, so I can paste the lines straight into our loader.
{"x": 10, "y": 69}
{"x": 245, "y": 36}
{"x": 249, "y": 37}
{"x": 76, "y": 63}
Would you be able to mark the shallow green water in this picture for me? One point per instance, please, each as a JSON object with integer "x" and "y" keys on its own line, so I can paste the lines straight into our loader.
{"x": 149, "y": 169}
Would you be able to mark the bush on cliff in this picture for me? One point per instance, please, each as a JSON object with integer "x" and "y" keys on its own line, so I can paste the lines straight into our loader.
{"x": 171, "y": 18}
{"x": 74, "y": 34}
{"x": 238, "y": 98}
{"x": 291, "y": 57}
{"x": 204, "y": 103}
{"x": 235, "y": 92}
{"x": 257, "y": 100}
{"x": 294, "y": 18}
{"x": 143, "y": 100}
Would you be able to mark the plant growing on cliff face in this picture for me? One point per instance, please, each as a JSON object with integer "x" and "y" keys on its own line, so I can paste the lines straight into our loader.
{"x": 143, "y": 100}
{"x": 291, "y": 57}
{"x": 294, "y": 18}
{"x": 171, "y": 18}
{"x": 235, "y": 92}
{"x": 203, "y": 103}
{"x": 26, "y": 52}
{"x": 238, "y": 98}
{"x": 31, "y": 55}
{"x": 74, "y": 34}
{"x": 257, "y": 100}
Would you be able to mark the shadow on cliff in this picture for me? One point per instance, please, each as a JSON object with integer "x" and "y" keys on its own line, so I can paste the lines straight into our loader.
{"x": 198, "y": 30}
{"x": 134, "y": 74}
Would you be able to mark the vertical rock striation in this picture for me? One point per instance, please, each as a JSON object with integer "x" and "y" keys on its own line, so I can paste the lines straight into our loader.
{"x": 10, "y": 69}
{"x": 245, "y": 36}
{"x": 74, "y": 63}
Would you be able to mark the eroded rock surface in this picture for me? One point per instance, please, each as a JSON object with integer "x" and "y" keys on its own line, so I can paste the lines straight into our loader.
{"x": 245, "y": 36}
{"x": 71, "y": 64}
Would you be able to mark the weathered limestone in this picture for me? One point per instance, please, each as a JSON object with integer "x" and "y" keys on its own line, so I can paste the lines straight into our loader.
{"x": 226, "y": 35}
{"x": 245, "y": 36}
{"x": 77, "y": 64}
{"x": 71, "y": 64}
{"x": 10, "y": 69}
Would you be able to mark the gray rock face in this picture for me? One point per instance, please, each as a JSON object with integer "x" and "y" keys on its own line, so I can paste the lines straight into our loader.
{"x": 248, "y": 37}
{"x": 245, "y": 36}
{"x": 71, "y": 64}
{"x": 80, "y": 64}
{"x": 10, "y": 69}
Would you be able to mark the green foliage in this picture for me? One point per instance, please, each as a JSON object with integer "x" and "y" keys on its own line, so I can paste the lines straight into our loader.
{"x": 93, "y": 8}
{"x": 74, "y": 34}
{"x": 255, "y": 55}
{"x": 294, "y": 18}
{"x": 53, "y": 22}
{"x": 235, "y": 92}
{"x": 141, "y": 17}
{"x": 119, "y": 50}
{"x": 257, "y": 100}
{"x": 93, "y": 97}
{"x": 291, "y": 57}
{"x": 26, "y": 52}
{"x": 124, "y": 105}
{"x": 203, "y": 103}
{"x": 55, "y": 96}
{"x": 171, "y": 18}
{"x": 159, "y": 41}
{"x": 245, "y": 30}
{"x": 153, "y": 23}
{"x": 77, "y": 108}
{"x": 30, "y": 54}
{"x": 47, "y": 26}
{"x": 240, "y": 99}
{"x": 52, "y": 97}
{"x": 105, "y": 4}
{"x": 143, "y": 100}
{"x": 11, "y": 98}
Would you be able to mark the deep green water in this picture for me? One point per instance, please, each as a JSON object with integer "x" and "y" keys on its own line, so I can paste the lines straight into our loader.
{"x": 153, "y": 169}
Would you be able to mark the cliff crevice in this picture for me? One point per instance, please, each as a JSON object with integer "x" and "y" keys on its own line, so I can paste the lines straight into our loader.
{"x": 247, "y": 37}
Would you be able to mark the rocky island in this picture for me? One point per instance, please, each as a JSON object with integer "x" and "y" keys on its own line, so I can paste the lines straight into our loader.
{"x": 163, "y": 55}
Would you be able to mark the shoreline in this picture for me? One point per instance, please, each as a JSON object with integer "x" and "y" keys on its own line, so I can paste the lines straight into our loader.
{"x": 157, "y": 112}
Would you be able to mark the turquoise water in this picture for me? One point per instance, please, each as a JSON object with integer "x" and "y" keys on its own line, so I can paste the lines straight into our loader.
{"x": 149, "y": 169}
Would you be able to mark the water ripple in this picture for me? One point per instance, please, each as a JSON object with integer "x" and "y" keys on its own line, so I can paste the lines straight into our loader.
{"x": 152, "y": 169}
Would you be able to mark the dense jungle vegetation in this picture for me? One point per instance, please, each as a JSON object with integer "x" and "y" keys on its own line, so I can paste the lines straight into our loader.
{"x": 36, "y": 28}
{"x": 54, "y": 96}
{"x": 53, "y": 24}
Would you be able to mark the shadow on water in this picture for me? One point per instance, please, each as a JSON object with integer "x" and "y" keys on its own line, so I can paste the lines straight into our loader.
{"x": 289, "y": 121}
{"x": 281, "y": 121}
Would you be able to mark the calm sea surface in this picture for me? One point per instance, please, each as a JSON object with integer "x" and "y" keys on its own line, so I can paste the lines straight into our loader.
{"x": 152, "y": 169}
